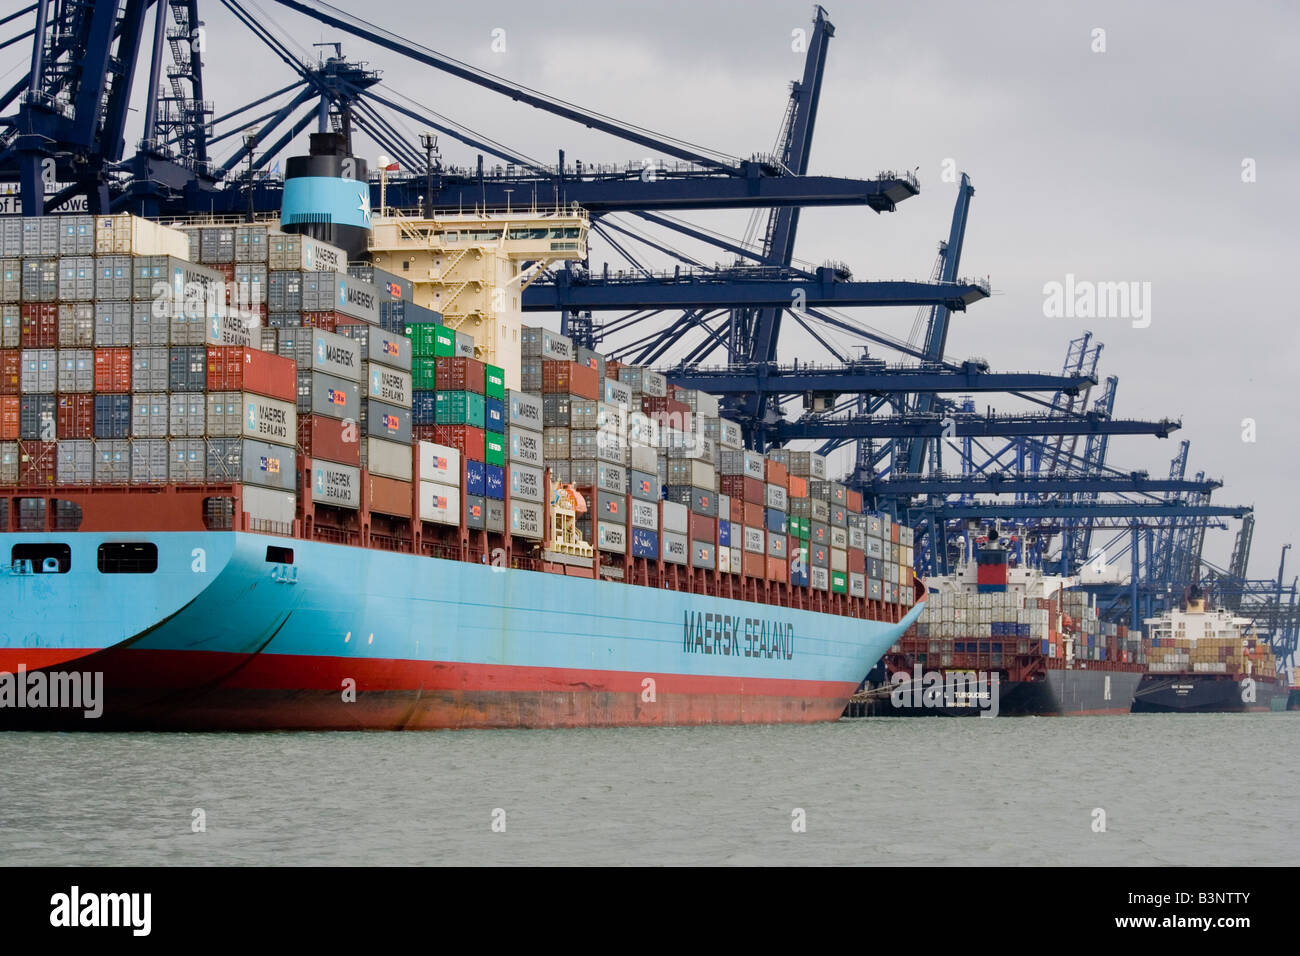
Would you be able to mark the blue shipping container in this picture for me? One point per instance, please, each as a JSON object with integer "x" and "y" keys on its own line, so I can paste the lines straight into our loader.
{"x": 494, "y": 415}
{"x": 775, "y": 521}
{"x": 474, "y": 477}
{"x": 724, "y": 533}
{"x": 424, "y": 407}
{"x": 112, "y": 416}
{"x": 494, "y": 482}
{"x": 645, "y": 544}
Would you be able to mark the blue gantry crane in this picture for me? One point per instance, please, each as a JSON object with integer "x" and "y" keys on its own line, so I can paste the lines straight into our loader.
{"x": 63, "y": 136}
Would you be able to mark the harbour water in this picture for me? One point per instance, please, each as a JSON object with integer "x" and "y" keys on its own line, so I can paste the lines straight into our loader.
{"x": 1174, "y": 789}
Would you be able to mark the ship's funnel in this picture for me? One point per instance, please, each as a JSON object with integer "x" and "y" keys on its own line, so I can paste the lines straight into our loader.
{"x": 327, "y": 195}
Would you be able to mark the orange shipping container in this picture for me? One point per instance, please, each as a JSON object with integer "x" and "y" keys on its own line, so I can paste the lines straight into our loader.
{"x": 112, "y": 371}
{"x": 389, "y": 496}
{"x": 855, "y": 502}
{"x": 10, "y": 406}
{"x": 777, "y": 570}
{"x": 753, "y": 516}
{"x": 584, "y": 382}
{"x": 798, "y": 486}
{"x": 776, "y": 473}
{"x": 751, "y": 565}
{"x": 233, "y": 368}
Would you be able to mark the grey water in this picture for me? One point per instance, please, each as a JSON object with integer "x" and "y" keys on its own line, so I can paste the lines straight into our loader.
{"x": 1213, "y": 789}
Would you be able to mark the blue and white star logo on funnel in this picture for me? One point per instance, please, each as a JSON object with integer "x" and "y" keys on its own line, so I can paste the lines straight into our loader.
{"x": 363, "y": 204}
{"x": 343, "y": 293}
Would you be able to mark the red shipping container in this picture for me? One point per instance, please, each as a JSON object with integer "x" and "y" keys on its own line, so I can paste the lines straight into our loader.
{"x": 656, "y": 407}
{"x": 751, "y": 565}
{"x": 703, "y": 528}
{"x": 320, "y": 320}
{"x": 797, "y": 487}
{"x": 585, "y": 382}
{"x": 112, "y": 371}
{"x": 857, "y": 561}
{"x": 233, "y": 368}
{"x": 76, "y": 416}
{"x": 11, "y": 367}
{"x": 389, "y": 496}
{"x": 776, "y": 473}
{"x": 459, "y": 375}
{"x": 737, "y": 515}
{"x": 893, "y": 532}
{"x": 611, "y": 369}
{"x": 753, "y": 514}
{"x": 464, "y": 438}
{"x": 776, "y": 569}
{"x": 39, "y": 322}
{"x": 556, "y": 375}
{"x": 10, "y": 417}
{"x": 37, "y": 462}
{"x": 328, "y": 440}
{"x": 427, "y": 433}
{"x": 855, "y": 502}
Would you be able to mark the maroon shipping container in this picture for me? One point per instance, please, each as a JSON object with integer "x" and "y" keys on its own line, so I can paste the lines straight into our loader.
{"x": 556, "y": 375}
{"x": 112, "y": 371}
{"x": 37, "y": 462}
{"x": 744, "y": 488}
{"x": 585, "y": 382}
{"x": 464, "y": 438}
{"x": 460, "y": 375}
{"x": 703, "y": 528}
{"x": 857, "y": 561}
{"x": 328, "y": 439}
{"x": 233, "y": 368}
{"x": 427, "y": 433}
{"x": 321, "y": 320}
{"x": 76, "y": 416}
{"x": 11, "y": 367}
{"x": 40, "y": 325}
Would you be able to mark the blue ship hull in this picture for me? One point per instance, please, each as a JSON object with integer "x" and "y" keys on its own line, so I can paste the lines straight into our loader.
{"x": 221, "y": 636}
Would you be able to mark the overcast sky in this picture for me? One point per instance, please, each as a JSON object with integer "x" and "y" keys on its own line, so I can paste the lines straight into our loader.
{"x": 1123, "y": 165}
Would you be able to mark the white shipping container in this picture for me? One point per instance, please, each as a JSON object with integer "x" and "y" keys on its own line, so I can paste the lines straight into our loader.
{"x": 526, "y": 519}
{"x": 754, "y": 541}
{"x": 124, "y": 234}
{"x": 338, "y": 485}
{"x": 269, "y": 419}
{"x": 674, "y": 520}
{"x": 388, "y": 458}
{"x": 777, "y": 497}
{"x": 674, "y": 548}
{"x": 389, "y": 384}
{"x": 439, "y": 503}
{"x": 644, "y": 514}
{"x": 526, "y": 483}
{"x": 267, "y": 504}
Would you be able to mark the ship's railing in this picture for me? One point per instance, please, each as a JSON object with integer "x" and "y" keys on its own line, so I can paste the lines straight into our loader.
{"x": 268, "y": 526}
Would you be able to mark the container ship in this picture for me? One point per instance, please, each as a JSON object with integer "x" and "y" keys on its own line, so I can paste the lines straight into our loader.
{"x": 1204, "y": 660}
{"x": 1043, "y": 642}
{"x": 315, "y": 473}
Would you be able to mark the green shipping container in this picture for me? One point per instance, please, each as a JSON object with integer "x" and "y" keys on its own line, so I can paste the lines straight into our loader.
{"x": 839, "y": 582}
{"x": 422, "y": 336}
{"x": 422, "y": 370}
{"x": 444, "y": 345}
{"x": 495, "y": 382}
{"x": 460, "y": 408}
{"x": 494, "y": 449}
